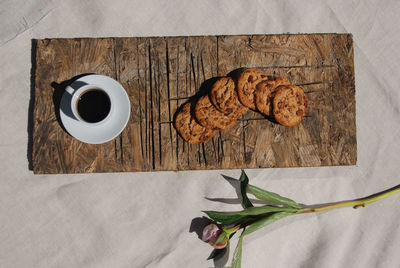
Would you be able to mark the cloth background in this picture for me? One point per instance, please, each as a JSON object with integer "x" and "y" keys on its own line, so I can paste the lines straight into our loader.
{"x": 144, "y": 219}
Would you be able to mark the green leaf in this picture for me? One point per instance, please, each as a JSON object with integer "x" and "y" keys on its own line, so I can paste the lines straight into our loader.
{"x": 244, "y": 181}
{"x": 225, "y": 217}
{"x": 237, "y": 255}
{"x": 265, "y": 221}
{"x": 254, "y": 211}
{"x": 220, "y": 238}
{"x": 272, "y": 197}
{"x": 245, "y": 215}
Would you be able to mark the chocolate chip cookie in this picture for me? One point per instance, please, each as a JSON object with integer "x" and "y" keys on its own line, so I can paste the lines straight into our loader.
{"x": 189, "y": 129}
{"x": 209, "y": 117}
{"x": 246, "y": 85}
{"x": 289, "y": 105}
{"x": 265, "y": 90}
{"x": 224, "y": 97}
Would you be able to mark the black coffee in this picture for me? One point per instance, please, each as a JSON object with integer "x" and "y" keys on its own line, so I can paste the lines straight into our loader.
{"x": 93, "y": 105}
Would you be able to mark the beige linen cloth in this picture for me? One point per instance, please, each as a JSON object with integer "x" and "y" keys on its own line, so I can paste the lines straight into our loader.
{"x": 143, "y": 219}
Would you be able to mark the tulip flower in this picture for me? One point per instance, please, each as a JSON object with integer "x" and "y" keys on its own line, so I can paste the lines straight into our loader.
{"x": 253, "y": 218}
{"x": 211, "y": 233}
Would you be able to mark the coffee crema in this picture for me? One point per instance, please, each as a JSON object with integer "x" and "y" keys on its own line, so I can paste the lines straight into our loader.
{"x": 93, "y": 105}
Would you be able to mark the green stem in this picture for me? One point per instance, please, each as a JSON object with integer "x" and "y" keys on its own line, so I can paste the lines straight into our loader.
{"x": 362, "y": 202}
{"x": 231, "y": 231}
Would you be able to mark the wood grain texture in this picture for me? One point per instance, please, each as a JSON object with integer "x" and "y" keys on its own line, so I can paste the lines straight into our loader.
{"x": 161, "y": 73}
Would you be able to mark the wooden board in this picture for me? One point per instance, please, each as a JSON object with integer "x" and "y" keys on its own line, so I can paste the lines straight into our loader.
{"x": 160, "y": 73}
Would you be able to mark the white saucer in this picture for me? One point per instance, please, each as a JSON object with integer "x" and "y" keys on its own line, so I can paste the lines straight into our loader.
{"x": 106, "y": 131}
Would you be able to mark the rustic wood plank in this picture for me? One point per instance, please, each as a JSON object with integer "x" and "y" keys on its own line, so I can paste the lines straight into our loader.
{"x": 202, "y": 54}
{"x": 161, "y": 73}
{"x": 59, "y": 60}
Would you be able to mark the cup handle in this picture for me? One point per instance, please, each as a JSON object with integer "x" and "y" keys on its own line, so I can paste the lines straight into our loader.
{"x": 70, "y": 90}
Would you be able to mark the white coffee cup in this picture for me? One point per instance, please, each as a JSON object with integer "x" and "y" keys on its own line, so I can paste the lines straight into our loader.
{"x": 91, "y": 104}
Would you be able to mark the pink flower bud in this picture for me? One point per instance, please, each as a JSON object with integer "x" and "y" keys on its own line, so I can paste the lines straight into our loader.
{"x": 211, "y": 233}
